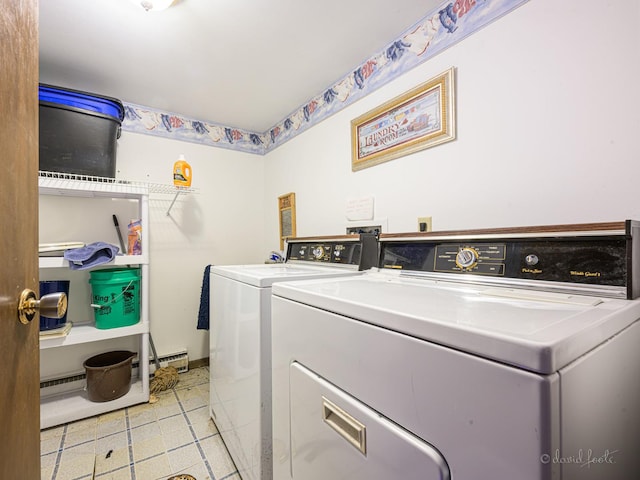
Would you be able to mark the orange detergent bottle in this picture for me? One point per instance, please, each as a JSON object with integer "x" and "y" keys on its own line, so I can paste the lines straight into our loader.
{"x": 182, "y": 173}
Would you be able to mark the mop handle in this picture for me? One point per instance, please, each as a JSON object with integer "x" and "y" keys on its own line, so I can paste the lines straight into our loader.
{"x": 115, "y": 222}
{"x": 155, "y": 355}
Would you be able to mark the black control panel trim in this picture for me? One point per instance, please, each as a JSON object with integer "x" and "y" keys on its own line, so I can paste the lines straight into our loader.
{"x": 361, "y": 251}
{"x": 593, "y": 260}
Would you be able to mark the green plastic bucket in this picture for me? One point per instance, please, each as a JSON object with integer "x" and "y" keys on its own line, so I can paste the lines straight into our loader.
{"x": 115, "y": 296}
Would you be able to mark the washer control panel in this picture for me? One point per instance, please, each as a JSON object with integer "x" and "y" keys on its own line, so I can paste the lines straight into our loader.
{"x": 359, "y": 252}
{"x": 326, "y": 252}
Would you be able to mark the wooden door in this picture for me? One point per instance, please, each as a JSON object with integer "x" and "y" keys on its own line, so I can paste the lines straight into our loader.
{"x": 19, "y": 350}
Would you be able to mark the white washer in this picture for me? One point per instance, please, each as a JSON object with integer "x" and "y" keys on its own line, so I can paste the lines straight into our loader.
{"x": 240, "y": 339}
{"x": 469, "y": 356}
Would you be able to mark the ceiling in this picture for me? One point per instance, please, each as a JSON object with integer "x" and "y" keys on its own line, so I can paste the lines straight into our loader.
{"x": 240, "y": 63}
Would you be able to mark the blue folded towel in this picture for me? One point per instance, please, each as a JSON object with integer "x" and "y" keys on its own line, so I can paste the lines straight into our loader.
{"x": 90, "y": 255}
{"x": 203, "y": 313}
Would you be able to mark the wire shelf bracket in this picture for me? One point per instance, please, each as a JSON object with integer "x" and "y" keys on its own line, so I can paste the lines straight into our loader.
{"x": 58, "y": 183}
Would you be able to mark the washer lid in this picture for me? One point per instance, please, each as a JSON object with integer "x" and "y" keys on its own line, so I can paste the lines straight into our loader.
{"x": 264, "y": 275}
{"x": 537, "y": 331}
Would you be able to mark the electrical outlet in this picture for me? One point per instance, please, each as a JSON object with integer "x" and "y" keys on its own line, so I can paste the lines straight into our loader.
{"x": 425, "y": 224}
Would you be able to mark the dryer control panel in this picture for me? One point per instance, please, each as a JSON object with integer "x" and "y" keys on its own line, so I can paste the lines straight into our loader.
{"x": 600, "y": 259}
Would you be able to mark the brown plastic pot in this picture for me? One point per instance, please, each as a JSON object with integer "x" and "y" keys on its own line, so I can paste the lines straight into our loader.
{"x": 108, "y": 375}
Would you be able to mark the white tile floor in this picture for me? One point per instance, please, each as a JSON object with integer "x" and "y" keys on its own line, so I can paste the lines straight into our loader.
{"x": 143, "y": 442}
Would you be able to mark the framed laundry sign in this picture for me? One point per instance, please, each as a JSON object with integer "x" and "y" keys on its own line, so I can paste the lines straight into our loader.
{"x": 420, "y": 118}
{"x": 287, "y": 217}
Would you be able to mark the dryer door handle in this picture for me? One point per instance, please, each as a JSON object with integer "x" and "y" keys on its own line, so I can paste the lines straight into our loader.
{"x": 345, "y": 425}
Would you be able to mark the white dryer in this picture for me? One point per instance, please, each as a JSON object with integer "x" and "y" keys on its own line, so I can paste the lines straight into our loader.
{"x": 240, "y": 338}
{"x": 479, "y": 355}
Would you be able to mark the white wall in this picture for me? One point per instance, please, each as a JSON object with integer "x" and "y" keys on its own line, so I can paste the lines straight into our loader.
{"x": 222, "y": 223}
{"x": 548, "y": 111}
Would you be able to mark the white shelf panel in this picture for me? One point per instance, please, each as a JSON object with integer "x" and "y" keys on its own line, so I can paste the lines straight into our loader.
{"x": 67, "y": 184}
{"x": 74, "y": 405}
{"x": 118, "y": 261}
{"x": 82, "y": 186}
{"x": 89, "y": 333}
{"x": 60, "y": 408}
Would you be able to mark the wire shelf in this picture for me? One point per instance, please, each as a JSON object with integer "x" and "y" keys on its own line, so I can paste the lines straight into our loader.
{"x": 57, "y": 182}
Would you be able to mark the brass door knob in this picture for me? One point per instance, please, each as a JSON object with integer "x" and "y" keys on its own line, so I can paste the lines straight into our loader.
{"x": 53, "y": 305}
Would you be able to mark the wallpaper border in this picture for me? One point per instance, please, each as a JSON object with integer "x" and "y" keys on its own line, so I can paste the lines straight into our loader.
{"x": 442, "y": 28}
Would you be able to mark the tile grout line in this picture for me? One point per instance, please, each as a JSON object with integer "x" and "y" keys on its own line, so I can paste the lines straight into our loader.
{"x": 129, "y": 444}
{"x": 228, "y": 476}
{"x": 79, "y": 444}
{"x": 206, "y": 460}
{"x": 59, "y": 456}
{"x": 112, "y": 471}
{"x": 110, "y": 434}
{"x": 195, "y": 437}
{"x": 176, "y": 415}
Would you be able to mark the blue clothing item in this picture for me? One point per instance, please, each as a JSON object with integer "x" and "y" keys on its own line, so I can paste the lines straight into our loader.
{"x": 90, "y": 255}
{"x": 203, "y": 313}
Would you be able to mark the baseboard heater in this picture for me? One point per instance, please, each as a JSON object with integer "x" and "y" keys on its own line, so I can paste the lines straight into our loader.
{"x": 179, "y": 360}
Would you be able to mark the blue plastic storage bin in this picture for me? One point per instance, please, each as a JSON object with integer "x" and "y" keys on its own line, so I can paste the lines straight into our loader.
{"x": 78, "y": 131}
